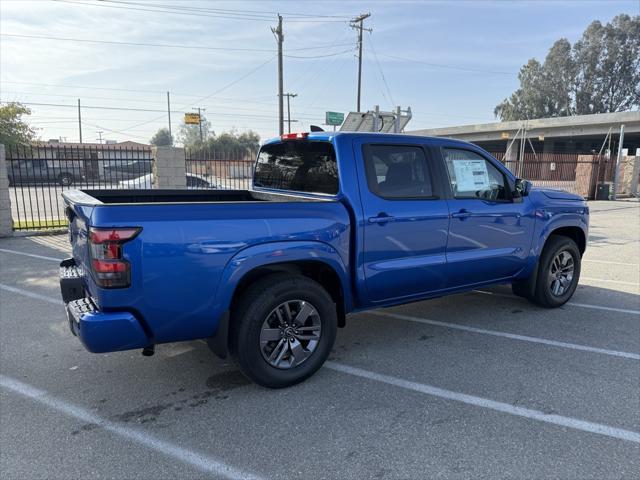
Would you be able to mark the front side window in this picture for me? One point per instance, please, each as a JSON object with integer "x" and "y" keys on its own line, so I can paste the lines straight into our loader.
{"x": 397, "y": 171}
{"x": 473, "y": 176}
{"x": 299, "y": 166}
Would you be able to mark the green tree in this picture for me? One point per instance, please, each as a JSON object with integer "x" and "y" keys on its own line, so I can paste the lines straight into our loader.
{"x": 608, "y": 60}
{"x": 13, "y": 129}
{"x": 161, "y": 138}
{"x": 231, "y": 141}
{"x": 599, "y": 74}
{"x": 189, "y": 135}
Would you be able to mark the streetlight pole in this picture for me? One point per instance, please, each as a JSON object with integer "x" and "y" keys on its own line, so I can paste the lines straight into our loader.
{"x": 289, "y": 96}
{"x": 169, "y": 117}
{"x": 79, "y": 121}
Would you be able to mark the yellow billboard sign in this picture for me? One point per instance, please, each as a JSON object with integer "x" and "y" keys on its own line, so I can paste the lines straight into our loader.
{"x": 192, "y": 118}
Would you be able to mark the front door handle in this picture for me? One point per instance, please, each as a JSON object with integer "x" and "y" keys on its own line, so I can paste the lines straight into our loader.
{"x": 381, "y": 218}
{"x": 461, "y": 214}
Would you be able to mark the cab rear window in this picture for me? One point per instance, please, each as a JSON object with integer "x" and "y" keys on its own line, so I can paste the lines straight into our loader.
{"x": 299, "y": 166}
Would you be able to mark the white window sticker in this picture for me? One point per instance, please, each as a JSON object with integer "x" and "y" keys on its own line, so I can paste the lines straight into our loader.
{"x": 471, "y": 175}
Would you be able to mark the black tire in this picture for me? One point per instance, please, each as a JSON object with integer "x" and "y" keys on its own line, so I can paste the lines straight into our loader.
{"x": 65, "y": 179}
{"x": 542, "y": 293}
{"x": 252, "y": 309}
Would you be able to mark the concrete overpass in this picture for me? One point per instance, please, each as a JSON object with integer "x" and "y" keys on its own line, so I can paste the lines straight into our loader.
{"x": 581, "y": 134}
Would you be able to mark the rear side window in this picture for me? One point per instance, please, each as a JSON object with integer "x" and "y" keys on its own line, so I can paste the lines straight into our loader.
{"x": 300, "y": 166}
{"x": 398, "y": 171}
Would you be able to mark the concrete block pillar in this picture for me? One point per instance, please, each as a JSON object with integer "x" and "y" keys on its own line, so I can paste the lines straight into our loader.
{"x": 169, "y": 168}
{"x": 6, "y": 223}
{"x": 585, "y": 182}
{"x": 628, "y": 178}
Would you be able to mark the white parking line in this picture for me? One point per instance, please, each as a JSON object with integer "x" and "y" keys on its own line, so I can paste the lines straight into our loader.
{"x": 576, "y": 424}
{"x": 27, "y": 293}
{"x": 610, "y": 263}
{"x": 210, "y": 464}
{"x": 571, "y": 304}
{"x": 512, "y": 336}
{"x": 591, "y": 279}
{"x": 32, "y": 255}
{"x": 199, "y": 460}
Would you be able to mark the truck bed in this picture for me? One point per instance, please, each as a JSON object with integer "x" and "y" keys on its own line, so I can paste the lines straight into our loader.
{"x": 123, "y": 197}
{"x": 193, "y": 243}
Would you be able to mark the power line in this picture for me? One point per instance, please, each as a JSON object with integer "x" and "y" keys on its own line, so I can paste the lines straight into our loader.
{"x": 384, "y": 80}
{"x": 248, "y": 100}
{"x": 453, "y": 67}
{"x": 103, "y": 107}
{"x": 223, "y": 10}
{"x": 160, "y": 45}
{"x": 181, "y": 11}
{"x": 199, "y": 100}
{"x": 93, "y": 97}
{"x": 320, "y": 56}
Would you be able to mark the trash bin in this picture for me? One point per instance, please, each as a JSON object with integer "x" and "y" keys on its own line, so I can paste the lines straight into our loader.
{"x": 602, "y": 192}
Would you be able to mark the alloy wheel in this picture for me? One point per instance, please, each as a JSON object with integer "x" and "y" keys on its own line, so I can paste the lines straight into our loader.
{"x": 561, "y": 273}
{"x": 290, "y": 334}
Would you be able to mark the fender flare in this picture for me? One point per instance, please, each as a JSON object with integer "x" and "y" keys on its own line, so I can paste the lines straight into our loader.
{"x": 266, "y": 254}
{"x": 545, "y": 227}
{"x": 554, "y": 222}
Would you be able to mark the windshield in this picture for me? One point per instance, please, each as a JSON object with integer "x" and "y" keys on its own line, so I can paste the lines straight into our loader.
{"x": 300, "y": 166}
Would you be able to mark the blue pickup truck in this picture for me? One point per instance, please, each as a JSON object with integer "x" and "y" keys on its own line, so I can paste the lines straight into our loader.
{"x": 334, "y": 223}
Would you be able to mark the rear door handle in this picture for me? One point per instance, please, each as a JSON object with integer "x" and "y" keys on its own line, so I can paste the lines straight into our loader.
{"x": 461, "y": 214}
{"x": 382, "y": 218}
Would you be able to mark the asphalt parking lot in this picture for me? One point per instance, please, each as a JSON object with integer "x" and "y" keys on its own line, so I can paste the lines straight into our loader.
{"x": 478, "y": 385}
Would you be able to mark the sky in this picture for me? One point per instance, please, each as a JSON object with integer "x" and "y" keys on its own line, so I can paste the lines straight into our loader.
{"x": 451, "y": 61}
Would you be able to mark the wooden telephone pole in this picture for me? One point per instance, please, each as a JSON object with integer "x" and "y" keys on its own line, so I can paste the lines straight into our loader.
{"x": 280, "y": 39}
{"x": 357, "y": 24}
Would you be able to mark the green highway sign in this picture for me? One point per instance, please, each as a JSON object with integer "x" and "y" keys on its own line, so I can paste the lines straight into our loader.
{"x": 334, "y": 118}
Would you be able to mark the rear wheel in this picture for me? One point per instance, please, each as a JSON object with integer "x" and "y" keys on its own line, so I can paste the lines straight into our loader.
{"x": 558, "y": 272}
{"x": 282, "y": 329}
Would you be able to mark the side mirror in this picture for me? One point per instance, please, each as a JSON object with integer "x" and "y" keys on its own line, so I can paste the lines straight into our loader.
{"x": 522, "y": 188}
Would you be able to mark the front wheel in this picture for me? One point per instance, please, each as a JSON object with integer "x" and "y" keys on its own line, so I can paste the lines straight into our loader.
{"x": 558, "y": 272}
{"x": 282, "y": 329}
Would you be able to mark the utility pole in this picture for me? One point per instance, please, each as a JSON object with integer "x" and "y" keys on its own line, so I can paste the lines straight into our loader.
{"x": 79, "y": 121}
{"x": 99, "y": 132}
{"x": 280, "y": 39}
{"x": 357, "y": 24}
{"x": 169, "y": 117}
{"x": 289, "y": 96}
{"x": 520, "y": 170}
{"x": 200, "y": 124}
{"x": 616, "y": 172}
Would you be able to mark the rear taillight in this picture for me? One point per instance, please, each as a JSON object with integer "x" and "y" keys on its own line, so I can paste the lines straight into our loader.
{"x": 109, "y": 269}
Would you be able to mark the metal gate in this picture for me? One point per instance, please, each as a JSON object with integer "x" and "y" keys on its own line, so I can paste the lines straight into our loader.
{"x": 580, "y": 174}
{"x": 38, "y": 174}
{"x": 220, "y": 169}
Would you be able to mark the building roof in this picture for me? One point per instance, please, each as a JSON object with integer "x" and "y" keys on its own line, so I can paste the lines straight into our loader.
{"x": 576, "y": 125}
